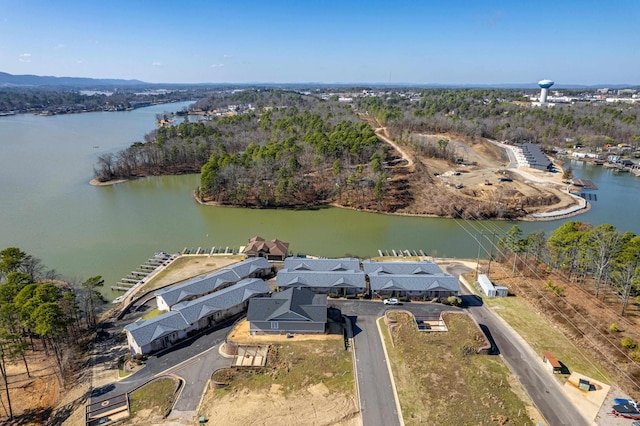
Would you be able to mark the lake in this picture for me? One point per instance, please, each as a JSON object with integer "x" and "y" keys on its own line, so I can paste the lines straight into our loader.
{"x": 48, "y": 208}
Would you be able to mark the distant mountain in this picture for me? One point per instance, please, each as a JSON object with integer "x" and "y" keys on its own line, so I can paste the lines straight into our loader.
{"x": 10, "y": 80}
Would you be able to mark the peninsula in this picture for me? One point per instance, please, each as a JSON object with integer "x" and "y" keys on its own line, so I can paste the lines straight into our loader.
{"x": 294, "y": 149}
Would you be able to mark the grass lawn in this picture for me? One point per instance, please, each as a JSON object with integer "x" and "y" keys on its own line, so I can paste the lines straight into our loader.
{"x": 439, "y": 384}
{"x": 152, "y": 314}
{"x": 157, "y": 396}
{"x": 542, "y": 336}
{"x": 198, "y": 265}
{"x": 295, "y": 366}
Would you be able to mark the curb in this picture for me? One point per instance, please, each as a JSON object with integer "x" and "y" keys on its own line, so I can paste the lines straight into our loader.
{"x": 393, "y": 382}
{"x": 355, "y": 365}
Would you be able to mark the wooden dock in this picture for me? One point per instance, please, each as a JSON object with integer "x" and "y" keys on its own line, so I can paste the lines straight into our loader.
{"x": 585, "y": 183}
{"x": 401, "y": 253}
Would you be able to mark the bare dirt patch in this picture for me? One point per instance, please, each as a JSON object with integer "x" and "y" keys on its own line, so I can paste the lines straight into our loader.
{"x": 314, "y": 405}
{"x": 303, "y": 383}
{"x": 480, "y": 186}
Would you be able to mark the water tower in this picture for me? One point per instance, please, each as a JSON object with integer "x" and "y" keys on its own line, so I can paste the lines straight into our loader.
{"x": 544, "y": 90}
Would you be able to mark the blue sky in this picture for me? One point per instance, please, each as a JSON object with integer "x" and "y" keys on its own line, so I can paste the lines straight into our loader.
{"x": 448, "y": 42}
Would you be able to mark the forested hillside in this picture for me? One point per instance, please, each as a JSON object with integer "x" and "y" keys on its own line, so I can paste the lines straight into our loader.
{"x": 286, "y": 150}
{"x": 497, "y": 114}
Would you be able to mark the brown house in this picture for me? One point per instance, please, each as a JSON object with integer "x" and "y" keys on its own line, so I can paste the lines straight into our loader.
{"x": 271, "y": 250}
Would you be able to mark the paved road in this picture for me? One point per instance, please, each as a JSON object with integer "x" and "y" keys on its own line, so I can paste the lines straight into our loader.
{"x": 194, "y": 360}
{"x": 377, "y": 400}
{"x": 540, "y": 385}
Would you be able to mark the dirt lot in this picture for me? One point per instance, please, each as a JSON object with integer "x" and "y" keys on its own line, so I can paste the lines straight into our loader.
{"x": 482, "y": 186}
{"x": 304, "y": 382}
{"x": 314, "y": 405}
{"x": 483, "y": 181}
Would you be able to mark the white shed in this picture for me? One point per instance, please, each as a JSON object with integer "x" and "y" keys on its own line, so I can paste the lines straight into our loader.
{"x": 489, "y": 289}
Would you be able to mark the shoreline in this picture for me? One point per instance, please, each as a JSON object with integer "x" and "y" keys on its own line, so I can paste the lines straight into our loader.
{"x": 543, "y": 217}
{"x": 96, "y": 182}
{"x": 532, "y": 217}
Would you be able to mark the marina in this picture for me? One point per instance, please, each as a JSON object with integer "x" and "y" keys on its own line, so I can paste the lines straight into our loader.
{"x": 135, "y": 279}
{"x": 214, "y": 250}
{"x": 401, "y": 253}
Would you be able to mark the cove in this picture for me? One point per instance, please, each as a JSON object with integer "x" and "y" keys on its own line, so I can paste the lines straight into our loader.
{"x": 49, "y": 210}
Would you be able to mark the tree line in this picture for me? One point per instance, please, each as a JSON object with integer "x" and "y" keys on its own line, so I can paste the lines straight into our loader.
{"x": 35, "y": 306}
{"x": 582, "y": 252}
{"x": 37, "y": 99}
{"x": 502, "y": 115}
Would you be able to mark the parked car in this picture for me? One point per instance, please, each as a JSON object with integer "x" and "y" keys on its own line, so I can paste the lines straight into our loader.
{"x": 391, "y": 301}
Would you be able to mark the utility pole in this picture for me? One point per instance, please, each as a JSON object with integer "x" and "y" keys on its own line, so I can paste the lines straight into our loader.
{"x": 493, "y": 234}
{"x": 478, "y": 258}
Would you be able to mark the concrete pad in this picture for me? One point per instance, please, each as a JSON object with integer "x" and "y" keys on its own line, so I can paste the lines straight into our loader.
{"x": 588, "y": 402}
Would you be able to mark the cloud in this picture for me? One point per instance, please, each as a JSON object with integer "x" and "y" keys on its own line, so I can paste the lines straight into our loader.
{"x": 79, "y": 61}
{"x": 156, "y": 64}
{"x": 24, "y": 57}
{"x": 59, "y": 46}
{"x": 227, "y": 56}
{"x": 215, "y": 66}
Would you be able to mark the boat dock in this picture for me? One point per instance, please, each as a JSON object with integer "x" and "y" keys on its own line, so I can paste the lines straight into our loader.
{"x": 401, "y": 253}
{"x": 142, "y": 273}
{"x": 212, "y": 251}
{"x": 589, "y": 196}
{"x": 584, "y": 183}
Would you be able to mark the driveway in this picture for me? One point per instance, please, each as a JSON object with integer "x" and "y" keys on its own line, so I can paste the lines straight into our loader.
{"x": 192, "y": 360}
{"x": 377, "y": 400}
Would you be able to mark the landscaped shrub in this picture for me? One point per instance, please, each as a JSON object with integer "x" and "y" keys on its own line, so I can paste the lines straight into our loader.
{"x": 454, "y": 301}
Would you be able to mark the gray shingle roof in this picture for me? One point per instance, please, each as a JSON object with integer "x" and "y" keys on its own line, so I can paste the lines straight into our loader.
{"x": 198, "y": 286}
{"x": 400, "y": 268}
{"x": 306, "y": 264}
{"x": 223, "y": 299}
{"x": 183, "y": 315}
{"x": 145, "y": 332}
{"x": 439, "y": 282}
{"x": 250, "y": 266}
{"x": 205, "y": 284}
{"x": 293, "y": 304}
{"x": 320, "y": 279}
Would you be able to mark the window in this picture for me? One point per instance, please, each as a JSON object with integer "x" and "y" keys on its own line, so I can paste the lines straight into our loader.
{"x": 274, "y": 325}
